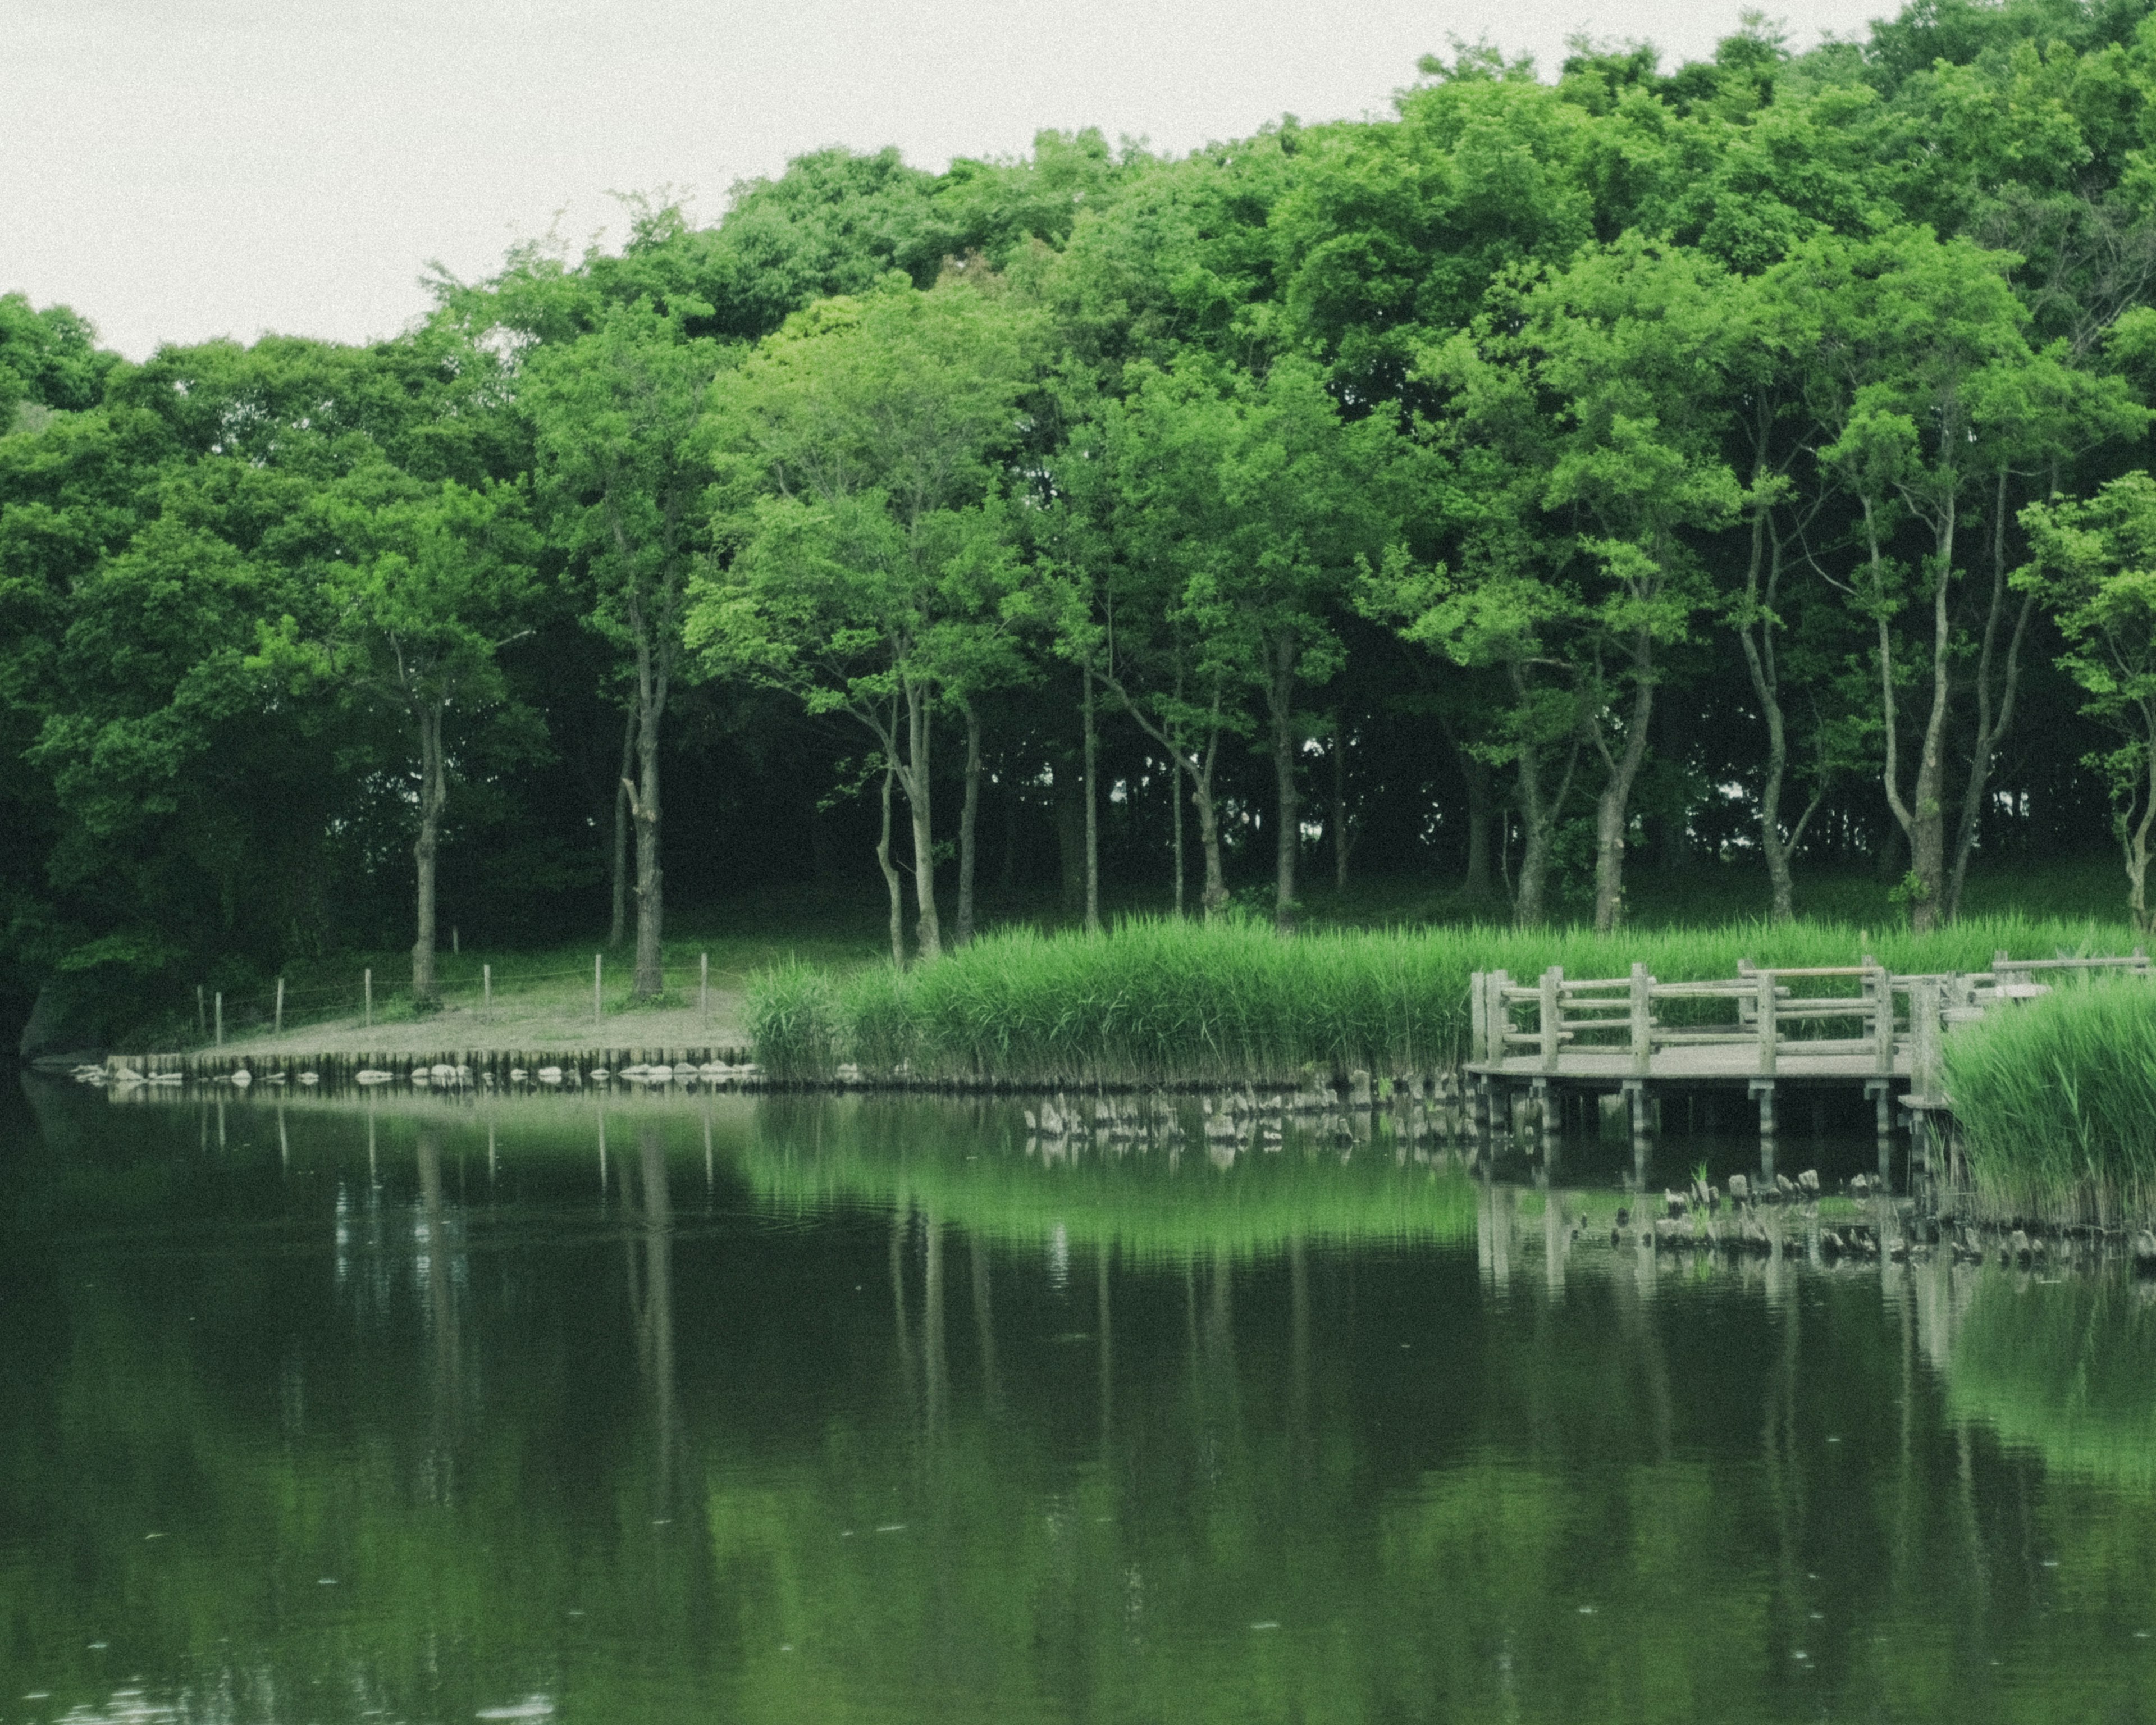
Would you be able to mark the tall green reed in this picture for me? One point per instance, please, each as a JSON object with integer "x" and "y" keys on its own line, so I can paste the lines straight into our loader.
{"x": 1162, "y": 1001}
{"x": 2057, "y": 1098}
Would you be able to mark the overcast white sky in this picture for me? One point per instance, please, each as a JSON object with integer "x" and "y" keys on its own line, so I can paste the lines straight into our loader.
{"x": 180, "y": 169}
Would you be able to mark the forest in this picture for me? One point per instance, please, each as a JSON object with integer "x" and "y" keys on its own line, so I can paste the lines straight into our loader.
{"x": 1740, "y": 466}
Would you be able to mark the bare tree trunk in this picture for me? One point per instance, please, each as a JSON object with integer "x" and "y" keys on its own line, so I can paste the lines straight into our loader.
{"x": 929, "y": 933}
{"x": 1994, "y": 704}
{"x": 891, "y": 872}
{"x": 1539, "y": 811}
{"x": 1481, "y": 808}
{"x": 1199, "y": 770}
{"x": 2133, "y": 834}
{"x": 653, "y": 667}
{"x": 1755, "y": 633}
{"x": 434, "y": 794}
{"x": 1925, "y": 823}
{"x": 1175, "y": 804}
{"x": 619, "y": 927}
{"x": 1339, "y": 839}
{"x": 1287, "y": 836}
{"x": 1092, "y": 805}
{"x": 1613, "y": 809}
{"x": 968, "y": 815}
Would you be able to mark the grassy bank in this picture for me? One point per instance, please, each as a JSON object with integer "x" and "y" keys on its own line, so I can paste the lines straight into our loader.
{"x": 2056, "y": 1102}
{"x": 1163, "y": 1002}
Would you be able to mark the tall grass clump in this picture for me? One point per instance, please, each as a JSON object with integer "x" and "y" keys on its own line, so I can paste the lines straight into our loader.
{"x": 794, "y": 1020}
{"x": 2056, "y": 1101}
{"x": 1165, "y": 1001}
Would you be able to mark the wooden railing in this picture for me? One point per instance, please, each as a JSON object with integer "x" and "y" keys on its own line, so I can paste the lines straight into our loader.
{"x": 1899, "y": 1022}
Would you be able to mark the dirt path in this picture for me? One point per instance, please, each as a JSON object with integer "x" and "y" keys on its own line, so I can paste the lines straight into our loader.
{"x": 540, "y": 1026}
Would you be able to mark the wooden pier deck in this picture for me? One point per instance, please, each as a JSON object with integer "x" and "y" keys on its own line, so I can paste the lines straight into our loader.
{"x": 1859, "y": 1025}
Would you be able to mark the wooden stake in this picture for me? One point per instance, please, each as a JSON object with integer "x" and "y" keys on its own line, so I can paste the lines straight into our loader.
{"x": 704, "y": 985}
{"x": 220, "y": 1017}
{"x": 280, "y": 1006}
{"x": 598, "y": 966}
{"x": 369, "y": 1010}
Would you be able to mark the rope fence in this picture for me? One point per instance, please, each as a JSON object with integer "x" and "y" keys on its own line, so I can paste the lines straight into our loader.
{"x": 221, "y": 1014}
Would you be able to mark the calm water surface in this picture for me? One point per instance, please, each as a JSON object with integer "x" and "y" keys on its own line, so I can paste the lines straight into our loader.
{"x": 738, "y": 1409}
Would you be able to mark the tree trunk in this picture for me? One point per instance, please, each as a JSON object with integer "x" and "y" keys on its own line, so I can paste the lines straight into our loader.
{"x": 1066, "y": 801}
{"x": 1539, "y": 811}
{"x": 928, "y": 932}
{"x": 1755, "y": 633}
{"x": 649, "y": 981}
{"x": 434, "y": 793}
{"x": 1481, "y": 809}
{"x": 1175, "y": 804}
{"x": 891, "y": 872}
{"x": 968, "y": 816}
{"x": 1613, "y": 810}
{"x": 1994, "y": 703}
{"x": 1092, "y": 805}
{"x": 2134, "y": 834}
{"x": 1340, "y": 840}
{"x": 619, "y": 927}
{"x": 1288, "y": 837}
{"x": 1925, "y": 822}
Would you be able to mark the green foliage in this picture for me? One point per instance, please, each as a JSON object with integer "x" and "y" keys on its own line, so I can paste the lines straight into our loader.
{"x": 1154, "y": 1001}
{"x": 2057, "y": 1098}
{"x": 792, "y": 1017}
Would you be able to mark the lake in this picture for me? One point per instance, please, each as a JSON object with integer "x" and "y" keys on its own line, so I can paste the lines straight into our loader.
{"x": 632, "y": 1407}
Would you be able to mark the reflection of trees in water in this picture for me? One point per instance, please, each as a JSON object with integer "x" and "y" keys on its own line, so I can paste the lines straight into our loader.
{"x": 1604, "y": 1496}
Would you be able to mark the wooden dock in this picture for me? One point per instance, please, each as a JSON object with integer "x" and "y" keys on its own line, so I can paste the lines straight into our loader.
{"x": 1858, "y": 1025}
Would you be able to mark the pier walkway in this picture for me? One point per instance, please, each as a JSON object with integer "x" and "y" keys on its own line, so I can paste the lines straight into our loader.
{"x": 1858, "y": 1025}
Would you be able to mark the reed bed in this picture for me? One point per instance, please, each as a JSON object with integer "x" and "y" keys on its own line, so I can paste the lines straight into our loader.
{"x": 2056, "y": 1101}
{"x": 1158, "y": 1001}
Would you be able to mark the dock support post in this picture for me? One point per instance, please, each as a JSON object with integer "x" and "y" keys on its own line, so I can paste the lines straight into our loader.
{"x": 1882, "y": 1020}
{"x": 1545, "y": 1140}
{"x": 1553, "y": 1024}
{"x": 1763, "y": 1092}
{"x": 1635, "y": 1100}
{"x": 1767, "y": 1040}
{"x": 1643, "y": 1036}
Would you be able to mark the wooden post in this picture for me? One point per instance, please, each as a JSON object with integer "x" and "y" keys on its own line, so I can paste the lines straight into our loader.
{"x": 1553, "y": 1016}
{"x": 487, "y": 989}
{"x": 1925, "y": 1076}
{"x": 368, "y": 1009}
{"x": 1496, "y": 1016}
{"x": 280, "y": 1006}
{"x": 704, "y": 985}
{"x": 1643, "y": 1026}
{"x": 1478, "y": 1018}
{"x": 1882, "y": 1019}
{"x": 1767, "y": 1031}
{"x": 202, "y": 1012}
{"x": 598, "y": 968}
{"x": 220, "y": 1017}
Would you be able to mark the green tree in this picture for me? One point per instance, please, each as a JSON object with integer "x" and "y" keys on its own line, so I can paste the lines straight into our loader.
{"x": 415, "y": 589}
{"x": 622, "y": 473}
{"x": 2092, "y": 565}
{"x": 871, "y": 550}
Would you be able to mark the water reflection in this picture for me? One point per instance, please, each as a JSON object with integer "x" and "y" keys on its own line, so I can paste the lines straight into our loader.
{"x": 803, "y": 1411}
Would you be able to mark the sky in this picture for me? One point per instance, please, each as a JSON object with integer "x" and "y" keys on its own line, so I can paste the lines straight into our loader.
{"x": 177, "y": 170}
